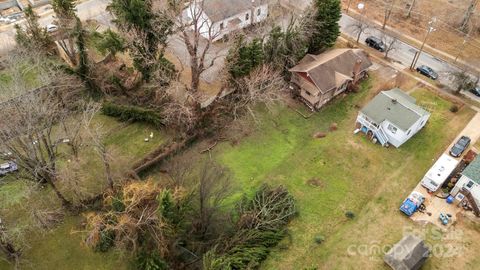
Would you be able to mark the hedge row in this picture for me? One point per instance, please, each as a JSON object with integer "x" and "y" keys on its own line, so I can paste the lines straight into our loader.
{"x": 131, "y": 113}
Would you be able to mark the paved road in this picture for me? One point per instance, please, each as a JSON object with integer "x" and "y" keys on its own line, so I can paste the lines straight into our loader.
{"x": 404, "y": 53}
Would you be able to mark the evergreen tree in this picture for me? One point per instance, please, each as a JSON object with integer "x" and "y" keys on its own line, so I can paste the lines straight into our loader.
{"x": 149, "y": 32}
{"x": 33, "y": 36}
{"x": 108, "y": 42}
{"x": 244, "y": 57}
{"x": 325, "y": 28}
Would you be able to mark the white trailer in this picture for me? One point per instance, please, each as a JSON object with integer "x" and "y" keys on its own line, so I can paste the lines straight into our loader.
{"x": 439, "y": 172}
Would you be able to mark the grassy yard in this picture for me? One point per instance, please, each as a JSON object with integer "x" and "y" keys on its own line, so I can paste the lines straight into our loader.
{"x": 62, "y": 247}
{"x": 339, "y": 173}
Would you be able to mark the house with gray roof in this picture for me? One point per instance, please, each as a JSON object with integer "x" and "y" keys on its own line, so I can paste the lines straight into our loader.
{"x": 218, "y": 18}
{"x": 469, "y": 181}
{"x": 319, "y": 78}
{"x": 391, "y": 118}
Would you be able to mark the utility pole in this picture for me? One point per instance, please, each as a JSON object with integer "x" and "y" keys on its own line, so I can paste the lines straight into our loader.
{"x": 430, "y": 29}
{"x": 461, "y": 48}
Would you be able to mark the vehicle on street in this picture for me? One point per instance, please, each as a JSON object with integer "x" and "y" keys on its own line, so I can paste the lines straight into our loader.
{"x": 427, "y": 71}
{"x": 460, "y": 146}
{"x": 8, "y": 167}
{"x": 475, "y": 91}
{"x": 375, "y": 43}
{"x": 51, "y": 28}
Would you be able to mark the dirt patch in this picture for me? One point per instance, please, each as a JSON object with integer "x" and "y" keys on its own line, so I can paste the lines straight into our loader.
{"x": 315, "y": 182}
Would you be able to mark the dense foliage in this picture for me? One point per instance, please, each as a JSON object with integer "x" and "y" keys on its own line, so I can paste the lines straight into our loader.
{"x": 325, "y": 29}
{"x": 131, "y": 113}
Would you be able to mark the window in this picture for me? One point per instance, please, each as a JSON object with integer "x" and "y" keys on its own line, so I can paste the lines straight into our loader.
{"x": 392, "y": 128}
{"x": 221, "y": 26}
{"x": 247, "y": 16}
{"x": 259, "y": 11}
{"x": 470, "y": 184}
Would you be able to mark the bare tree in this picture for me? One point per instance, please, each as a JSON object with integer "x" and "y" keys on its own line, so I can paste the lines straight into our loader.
{"x": 264, "y": 85}
{"x": 463, "y": 81}
{"x": 359, "y": 26}
{"x": 37, "y": 122}
{"x": 387, "y": 12}
{"x": 410, "y": 7}
{"x": 391, "y": 44}
{"x": 197, "y": 33}
{"x": 468, "y": 14}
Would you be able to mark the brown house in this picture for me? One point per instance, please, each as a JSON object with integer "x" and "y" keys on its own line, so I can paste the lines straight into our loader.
{"x": 321, "y": 77}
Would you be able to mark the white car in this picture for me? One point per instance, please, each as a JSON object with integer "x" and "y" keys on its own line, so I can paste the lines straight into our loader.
{"x": 51, "y": 28}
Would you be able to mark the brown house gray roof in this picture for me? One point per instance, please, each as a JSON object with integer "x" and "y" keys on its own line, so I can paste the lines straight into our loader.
{"x": 219, "y": 10}
{"x": 329, "y": 69}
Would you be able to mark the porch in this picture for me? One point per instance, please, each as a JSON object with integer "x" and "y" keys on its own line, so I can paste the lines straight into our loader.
{"x": 372, "y": 130}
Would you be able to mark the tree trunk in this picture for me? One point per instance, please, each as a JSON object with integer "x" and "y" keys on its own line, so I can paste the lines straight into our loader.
{"x": 108, "y": 171}
{"x": 468, "y": 15}
{"x": 358, "y": 37}
{"x": 410, "y": 8}
{"x": 65, "y": 203}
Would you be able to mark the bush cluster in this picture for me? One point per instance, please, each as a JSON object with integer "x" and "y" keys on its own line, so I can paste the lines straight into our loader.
{"x": 132, "y": 113}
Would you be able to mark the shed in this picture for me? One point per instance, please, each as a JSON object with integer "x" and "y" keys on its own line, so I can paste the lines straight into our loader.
{"x": 408, "y": 254}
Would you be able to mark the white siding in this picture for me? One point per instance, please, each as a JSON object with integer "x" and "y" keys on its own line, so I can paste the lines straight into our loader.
{"x": 462, "y": 182}
{"x": 400, "y": 137}
{"x": 230, "y": 24}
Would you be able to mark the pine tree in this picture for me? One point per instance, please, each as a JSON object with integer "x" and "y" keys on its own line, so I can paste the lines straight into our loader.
{"x": 244, "y": 57}
{"x": 325, "y": 25}
{"x": 33, "y": 36}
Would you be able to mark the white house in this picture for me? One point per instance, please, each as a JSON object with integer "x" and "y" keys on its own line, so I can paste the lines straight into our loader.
{"x": 391, "y": 117}
{"x": 217, "y": 18}
{"x": 439, "y": 172}
{"x": 470, "y": 180}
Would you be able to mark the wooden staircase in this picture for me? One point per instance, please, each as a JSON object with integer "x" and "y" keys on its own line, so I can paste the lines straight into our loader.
{"x": 471, "y": 201}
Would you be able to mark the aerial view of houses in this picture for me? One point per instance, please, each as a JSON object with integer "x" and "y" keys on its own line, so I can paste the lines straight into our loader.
{"x": 239, "y": 134}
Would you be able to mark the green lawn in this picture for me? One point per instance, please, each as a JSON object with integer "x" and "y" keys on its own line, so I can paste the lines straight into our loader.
{"x": 62, "y": 247}
{"x": 352, "y": 174}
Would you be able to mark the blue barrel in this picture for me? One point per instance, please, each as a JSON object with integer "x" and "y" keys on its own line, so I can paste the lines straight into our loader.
{"x": 450, "y": 199}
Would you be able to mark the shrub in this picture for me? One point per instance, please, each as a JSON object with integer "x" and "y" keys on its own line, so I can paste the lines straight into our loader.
{"x": 454, "y": 108}
{"x": 350, "y": 215}
{"x": 132, "y": 113}
{"x": 319, "y": 239}
{"x": 150, "y": 261}
{"x": 107, "y": 238}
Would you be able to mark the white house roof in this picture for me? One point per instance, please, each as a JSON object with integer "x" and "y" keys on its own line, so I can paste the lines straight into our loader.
{"x": 395, "y": 106}
{"x": 219, "y": 10}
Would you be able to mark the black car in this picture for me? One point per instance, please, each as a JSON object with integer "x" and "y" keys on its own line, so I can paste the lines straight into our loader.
{"x": 475, "y": 91}
{"x": 375, "y": 43}
{"x": 427, "y": 71}
{"x": 460, "y": 146}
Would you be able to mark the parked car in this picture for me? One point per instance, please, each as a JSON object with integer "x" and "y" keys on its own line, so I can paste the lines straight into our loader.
{"x": 375, "y": 43}
{"x": 427, "y": 71}
{"x": 460, "y": 146}
{"x": 475, "y": 91}
{"x": 51, "y": 28}
{"x": 8, "y": 167}
{"x": 412, "y": 203}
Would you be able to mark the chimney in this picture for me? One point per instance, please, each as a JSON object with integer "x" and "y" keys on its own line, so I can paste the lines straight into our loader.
{"x": 356, "y": 70}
